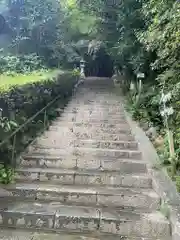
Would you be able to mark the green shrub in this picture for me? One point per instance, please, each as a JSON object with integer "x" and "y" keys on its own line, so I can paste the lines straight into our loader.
{"x": 145, "y": 106}
{"x": 20, "y": 102}
{"x": 6, "y": 174}
{"x": 20, "y": 64}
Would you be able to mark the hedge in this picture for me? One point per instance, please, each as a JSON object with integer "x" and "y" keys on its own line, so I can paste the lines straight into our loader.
{"x": 20, "y": 102}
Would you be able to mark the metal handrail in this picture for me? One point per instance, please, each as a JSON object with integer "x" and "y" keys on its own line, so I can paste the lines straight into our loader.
{"x": 13, "y": 134}
{"x": 29, "y": 120}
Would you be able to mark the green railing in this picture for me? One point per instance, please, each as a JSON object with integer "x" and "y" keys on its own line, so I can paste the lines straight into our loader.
{"x": 13, "y": 137}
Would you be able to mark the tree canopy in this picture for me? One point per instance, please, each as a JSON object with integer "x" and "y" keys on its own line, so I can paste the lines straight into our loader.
{"x": 53, "y": 30}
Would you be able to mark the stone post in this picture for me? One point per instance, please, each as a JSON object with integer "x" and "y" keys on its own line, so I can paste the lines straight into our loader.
{"x": 82, "y": 66}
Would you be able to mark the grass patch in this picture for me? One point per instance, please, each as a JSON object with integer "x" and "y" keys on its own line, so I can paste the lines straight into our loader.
{"x": 7, "y": 82}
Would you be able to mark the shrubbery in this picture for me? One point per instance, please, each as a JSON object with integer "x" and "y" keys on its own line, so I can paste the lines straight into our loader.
{"x": 145, "y": 107}
{"x": 20, "y": 63}
{"x": 144, "y": 37}
{"x": 21, "y": 102}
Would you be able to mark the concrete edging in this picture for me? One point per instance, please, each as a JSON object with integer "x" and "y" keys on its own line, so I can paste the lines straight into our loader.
{"x": 162, "y": 183}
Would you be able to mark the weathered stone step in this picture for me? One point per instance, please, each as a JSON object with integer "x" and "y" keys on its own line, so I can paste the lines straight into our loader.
{"x": 56, "y": 217}
{"x": 73, "y": 118}
{"x": 85, "y": 114}
{"x": 82, "y": 100}
{"x": 125, "y": 166}
{"x": 94, "y": 136}
{"x": 84, "y": 136}
{"x": 27, "y": 235}
{"x": 93, "y": 113}
{"x": 91, "y": 119}
{"x": 58, "y": 127}
{"x": 11, "y": 234}
{"x": 86, "y": 177}
{"x": 83, "y": 124}
{"x": 54, "y": 140}
{"x": 59, "y": 134}
{"x": 87, "y": 196}
{"x": 77, "y": 108}
{"x": 88, "y": 152}
{"x": 108, "y": 144}
{"x": 89, "y": 144}
{"x": 89, "y": 104}
{"x": 99, "y": 121}
{"x": 96, "y": 120}
{"x": 89, "y": 124}
{"x": 73, "y": 106}
{"x": 87, "y": 135}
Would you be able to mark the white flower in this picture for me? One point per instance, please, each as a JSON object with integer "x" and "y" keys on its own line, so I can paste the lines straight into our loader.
{"x": 170, "y": 111}
{"x": 167, "y": 112}
{"x": 165, "y": 97}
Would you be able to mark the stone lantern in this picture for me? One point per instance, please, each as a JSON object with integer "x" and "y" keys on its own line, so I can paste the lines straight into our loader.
{"x": 82, "y": 66}
{"x": 140, "y": 77}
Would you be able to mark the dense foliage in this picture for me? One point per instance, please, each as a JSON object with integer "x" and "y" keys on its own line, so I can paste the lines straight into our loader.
{"x": 22, "y": 102}
{"x": 36, "y": 37}
{"x": 143, "y": 36}
{"x": 44, "y": 29}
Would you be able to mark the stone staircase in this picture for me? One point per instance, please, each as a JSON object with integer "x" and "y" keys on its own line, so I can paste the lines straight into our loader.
{"x": 85, "y": 178}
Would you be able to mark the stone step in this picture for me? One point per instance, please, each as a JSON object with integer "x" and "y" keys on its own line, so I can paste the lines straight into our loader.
{"x": 101, "y": 102}
{"x": 93, "y": 117}
{"x": 88, "y": 104}
{"x": 90, "y": 111}
{"x": 87, "y": 136}
{"x": 57, "y": 143}
{"x": 101, "y": 153}
{"x": 84, "y": 133}
{"x": 82, "y": 101}
{"x": 12, "y": 234}
{"x": 93, "y": 110}
{"x": 108, "y": 144}
{"x": 86, "y": 195}
{"x": 77, "y": 108}
{"x": 126, "y": 166}
{"x": 86, "y": 177}
{"x": 97, "y": 120}
{"x": 76, "y": 129}
{"x": 56, "y": 217}
{"x": 91, "y": 120}
{"x": 83, "y": 124}
{"x": 99, "y": 108}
